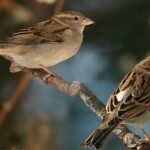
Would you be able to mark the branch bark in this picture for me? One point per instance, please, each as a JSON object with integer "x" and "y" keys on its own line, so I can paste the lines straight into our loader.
{"x": 75, "y": 88}
{"x": 8, "y": 105}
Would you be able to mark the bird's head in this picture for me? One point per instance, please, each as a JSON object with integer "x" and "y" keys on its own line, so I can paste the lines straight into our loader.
{"x": 74, "y": 19}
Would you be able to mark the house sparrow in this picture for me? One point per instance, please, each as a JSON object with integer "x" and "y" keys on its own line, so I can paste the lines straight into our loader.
{"x": 48, "y": 42}
{"x": 129, "y": 104}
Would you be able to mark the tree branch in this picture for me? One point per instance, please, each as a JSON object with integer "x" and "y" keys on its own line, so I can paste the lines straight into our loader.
{"x": 75, "y": 88}
{"x": 8, "y": 105}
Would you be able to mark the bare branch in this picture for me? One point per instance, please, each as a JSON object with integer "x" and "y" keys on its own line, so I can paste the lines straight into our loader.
{"x": 10, "y": 103}
{"x": 75, "y": 88}
{"x": 59, "y": 6}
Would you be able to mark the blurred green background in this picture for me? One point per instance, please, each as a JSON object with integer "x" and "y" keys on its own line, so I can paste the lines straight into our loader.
{"x": 46, "y": 119}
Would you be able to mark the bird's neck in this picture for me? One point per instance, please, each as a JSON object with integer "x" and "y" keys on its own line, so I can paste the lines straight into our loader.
{"x": 81, "y": 29}
{"x": 144, "y": 65}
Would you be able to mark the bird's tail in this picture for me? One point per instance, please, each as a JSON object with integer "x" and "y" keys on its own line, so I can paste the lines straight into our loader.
{"x": 98, "y": 137}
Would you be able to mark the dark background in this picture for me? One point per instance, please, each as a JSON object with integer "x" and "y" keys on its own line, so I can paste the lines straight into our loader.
{"x": 46, "y": 119}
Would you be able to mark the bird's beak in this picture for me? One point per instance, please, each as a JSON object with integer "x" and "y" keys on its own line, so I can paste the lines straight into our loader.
{"x": 87, "y": 21}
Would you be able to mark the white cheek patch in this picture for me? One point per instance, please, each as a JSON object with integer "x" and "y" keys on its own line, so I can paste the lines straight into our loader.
{"x": 120, "y": 95}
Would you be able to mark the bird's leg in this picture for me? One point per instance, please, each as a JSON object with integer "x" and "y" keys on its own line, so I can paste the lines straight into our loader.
{"x": 51, "y": 73}
{"x": 147, "y": 137}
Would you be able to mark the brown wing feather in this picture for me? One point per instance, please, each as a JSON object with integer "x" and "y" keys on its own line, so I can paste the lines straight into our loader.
{"x": 39, "y": 33}
{"x": 139, "y": 97}
{"x": 113, "y": 103}
{"x": 141, "y": 92}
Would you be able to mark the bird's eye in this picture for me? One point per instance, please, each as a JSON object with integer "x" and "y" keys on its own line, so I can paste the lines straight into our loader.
{"x": 76, "y": 18}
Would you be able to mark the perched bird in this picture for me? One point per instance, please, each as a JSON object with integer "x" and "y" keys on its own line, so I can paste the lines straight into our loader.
{"x": 48, "y": 42}
{"x": 129, "y": 104}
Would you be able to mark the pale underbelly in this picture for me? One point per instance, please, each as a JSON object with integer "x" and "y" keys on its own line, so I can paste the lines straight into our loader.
{"x": 46, "y": 54}
{"x": 139, "y": 121}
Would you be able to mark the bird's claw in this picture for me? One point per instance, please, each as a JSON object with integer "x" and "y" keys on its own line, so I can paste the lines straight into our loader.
{"x": 146, "y": 140}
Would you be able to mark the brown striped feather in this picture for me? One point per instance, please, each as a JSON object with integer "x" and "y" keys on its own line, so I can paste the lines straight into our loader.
{"x": 39, "y": 33}
{"x": 139, "y": 97}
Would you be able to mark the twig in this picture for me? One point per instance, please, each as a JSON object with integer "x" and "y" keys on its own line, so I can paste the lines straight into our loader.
{"x": 10, "y": 103}
{"x": 59, "y": 6}
{"x": 75, "y": 88}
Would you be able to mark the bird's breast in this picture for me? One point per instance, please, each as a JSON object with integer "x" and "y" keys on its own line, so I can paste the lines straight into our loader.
{"x": 140, "y": 120}
{"x": 49, "y": 54}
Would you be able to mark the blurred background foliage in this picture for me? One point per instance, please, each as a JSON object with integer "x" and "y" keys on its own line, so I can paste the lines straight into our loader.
{"x": 46, "y": 119}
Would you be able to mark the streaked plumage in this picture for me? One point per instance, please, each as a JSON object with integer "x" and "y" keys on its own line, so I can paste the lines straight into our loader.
{"x": 48, "y": 42}
{"x": 129, "y": 104}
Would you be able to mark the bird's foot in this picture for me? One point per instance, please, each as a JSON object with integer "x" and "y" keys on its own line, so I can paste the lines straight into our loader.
{"x": 48, "y": 76}
{"x": 146, "y": 140}
{"x": 50, "y": 73}
{"x": 147, "y": 137}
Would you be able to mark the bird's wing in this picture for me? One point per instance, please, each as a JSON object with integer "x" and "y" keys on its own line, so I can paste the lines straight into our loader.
{"x": 130, "y": 97}
{"x": 42, "y": 32}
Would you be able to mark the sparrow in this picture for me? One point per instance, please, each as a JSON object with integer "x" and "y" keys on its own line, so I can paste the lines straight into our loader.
{"x": 48, "y": 42}
{"x": 129, "y": 104}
